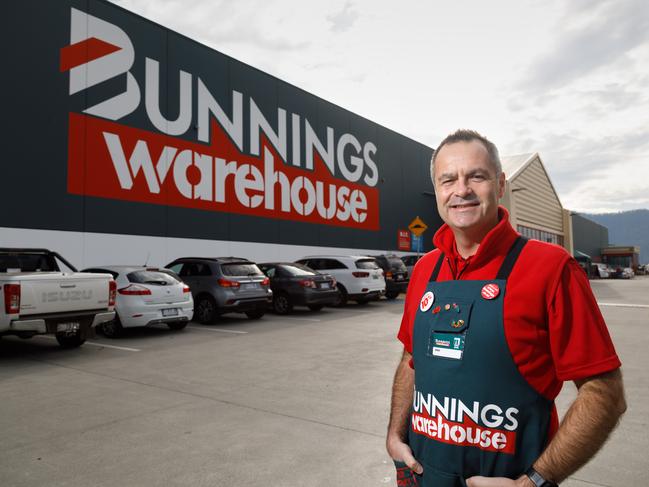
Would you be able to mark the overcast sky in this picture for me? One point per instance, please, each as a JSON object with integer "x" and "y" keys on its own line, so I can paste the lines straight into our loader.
{"x": 567, "y": 79}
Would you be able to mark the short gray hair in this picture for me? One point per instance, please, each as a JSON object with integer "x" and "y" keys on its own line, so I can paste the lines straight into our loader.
{"x": 465, "y": 135}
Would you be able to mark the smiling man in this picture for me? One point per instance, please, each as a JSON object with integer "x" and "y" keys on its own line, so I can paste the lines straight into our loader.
{"x": 493, "y": 325}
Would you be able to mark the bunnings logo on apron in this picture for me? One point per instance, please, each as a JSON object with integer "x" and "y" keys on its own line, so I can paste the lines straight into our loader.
{"x": 488, "y": 427}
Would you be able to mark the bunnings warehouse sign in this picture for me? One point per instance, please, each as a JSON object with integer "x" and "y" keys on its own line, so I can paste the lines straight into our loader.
{"x": 330, "y": 180}
{"x": 142, "y": 131}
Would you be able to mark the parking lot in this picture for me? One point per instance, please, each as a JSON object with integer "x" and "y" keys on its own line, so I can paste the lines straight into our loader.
{"x": 300, "y": 400}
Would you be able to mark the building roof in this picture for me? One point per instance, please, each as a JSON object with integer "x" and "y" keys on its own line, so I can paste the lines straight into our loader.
{"x": 514, "y": 165}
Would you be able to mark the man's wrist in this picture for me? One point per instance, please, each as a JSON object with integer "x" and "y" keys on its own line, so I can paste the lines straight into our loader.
{"x": 524, "y": 481}
{"x": 536, "y": 479}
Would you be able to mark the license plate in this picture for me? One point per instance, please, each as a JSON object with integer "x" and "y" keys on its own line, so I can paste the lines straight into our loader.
{"x": 251, "y": 285}
{"x": 170, "y": 312}
{"x": 324, "y": 285}
{"x": 375, "y": 276}
{"x": 71, "y": 327}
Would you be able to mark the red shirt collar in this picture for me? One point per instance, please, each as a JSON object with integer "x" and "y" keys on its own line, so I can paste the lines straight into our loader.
{"x": 496, "y": 243}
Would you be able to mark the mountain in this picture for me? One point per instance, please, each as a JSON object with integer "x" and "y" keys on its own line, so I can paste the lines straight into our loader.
{"x": 626, "y": 228}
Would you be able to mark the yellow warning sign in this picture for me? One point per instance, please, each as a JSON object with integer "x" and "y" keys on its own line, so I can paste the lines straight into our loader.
{"x": 417, "y": 226}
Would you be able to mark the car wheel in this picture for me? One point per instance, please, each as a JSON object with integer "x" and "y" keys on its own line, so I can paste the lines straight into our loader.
{"x": 205, "y": 310}
{"x": 256, "y": 314}
{"x": 315, "y": 307}
{"x": 282, "y": 304}
{"x": 70, "y": 341}
{"x": 342, "y": 298}
{"x": 391, "y": 295}
{"x": 112, "y": 328}
{"x": 177, "y": 325}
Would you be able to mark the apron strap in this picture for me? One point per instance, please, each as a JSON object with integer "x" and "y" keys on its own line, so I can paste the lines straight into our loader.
{"x": 438, "y": 266}
{"x": 510, "y": 259}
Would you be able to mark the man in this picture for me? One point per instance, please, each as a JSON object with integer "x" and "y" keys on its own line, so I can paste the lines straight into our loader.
{"x": 493, "y": 325}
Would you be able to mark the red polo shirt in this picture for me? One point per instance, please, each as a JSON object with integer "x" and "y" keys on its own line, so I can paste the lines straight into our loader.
{"x": 553, "y": 325}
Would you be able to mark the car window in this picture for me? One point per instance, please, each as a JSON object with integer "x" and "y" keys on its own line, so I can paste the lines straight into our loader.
{"x": 27, "y": 263}
{"x": 311, "y": 263}
{"x": 366, "y": 264}
{"x": 332, "y": 264}
{"x": 192, "y": 269}
{"x": 269, "y": 270}
{"x": 152, "y": 277}
{"x": 297, "y": 270}
{"x": 396, "y": 263}
{"x": 241, "y": 269}
{"x": 176, "y": 267}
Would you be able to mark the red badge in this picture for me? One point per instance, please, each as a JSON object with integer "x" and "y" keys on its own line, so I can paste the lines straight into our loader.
{"x": 490, "y": 291}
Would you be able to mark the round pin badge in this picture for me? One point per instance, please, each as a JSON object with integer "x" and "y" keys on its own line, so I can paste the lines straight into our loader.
{"x": 490, "y": 291}
{"x": 427, "y": 301}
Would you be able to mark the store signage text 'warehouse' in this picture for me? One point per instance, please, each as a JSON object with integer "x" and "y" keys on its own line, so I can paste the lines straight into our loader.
{"x": 213, "y": 173}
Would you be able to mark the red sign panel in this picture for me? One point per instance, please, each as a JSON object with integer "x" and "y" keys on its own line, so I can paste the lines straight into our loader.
{"x": 403, "y": 240}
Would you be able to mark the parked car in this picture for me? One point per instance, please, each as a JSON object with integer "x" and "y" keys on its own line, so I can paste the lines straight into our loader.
{"x": 224, "y": 285}
{"x": 43, "y": 294}
{"x": 410, "y": 261}
{"x": 298, "y": 285}
{"x": 602, "y": 271}
{"x": 622, "y": 273}
{"x": 395, "y": 273}
{"x": 147, "y": 296}
{"x": 358, "y": 277}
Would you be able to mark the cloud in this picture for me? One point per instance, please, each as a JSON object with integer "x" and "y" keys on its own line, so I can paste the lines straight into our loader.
{"x": 343, "y": 20}
{"x": 592, "y": 35}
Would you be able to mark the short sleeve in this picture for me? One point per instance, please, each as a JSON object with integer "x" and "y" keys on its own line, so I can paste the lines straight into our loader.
{"x": 579, "y": 339}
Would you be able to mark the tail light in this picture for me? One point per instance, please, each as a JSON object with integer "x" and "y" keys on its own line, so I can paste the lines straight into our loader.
{"x": 186, "y": 289}
{"x": 333, "y": 282}
{"x": 12, "y": 298}
{"x": 388, "y": 275}
{"x": 307, "y": 283}
{"x": 134, "y": 290}
{"x": 360, "y": 274}
{"x": 112, "y": 292}
{"x": 227, "y": 283}
{"x": 265, "y": 282}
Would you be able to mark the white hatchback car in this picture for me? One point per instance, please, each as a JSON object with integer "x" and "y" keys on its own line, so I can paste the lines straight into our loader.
{"x": 147, "y": 296}
{"x": 358, "y": 277}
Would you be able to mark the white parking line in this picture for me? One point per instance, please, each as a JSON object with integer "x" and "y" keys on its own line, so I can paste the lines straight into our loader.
{"x": 305, "y": 319}
{"x": 622, "y": 305}
{"x": 95, "y": 344}
{"x": 221, "y": 330}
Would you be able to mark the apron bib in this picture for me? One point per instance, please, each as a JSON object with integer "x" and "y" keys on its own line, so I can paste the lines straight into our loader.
{"x": 473, "y": 412}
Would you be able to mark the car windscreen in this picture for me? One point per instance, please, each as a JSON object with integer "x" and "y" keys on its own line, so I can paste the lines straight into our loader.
{"x": 366, "y": 264}
{"x": 241, "y": 269}
{"x": 298, "y": 270}
{"x": 160, "y": 278}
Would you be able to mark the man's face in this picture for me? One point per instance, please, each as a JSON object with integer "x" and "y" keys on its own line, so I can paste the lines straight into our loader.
{"x": 467, "y": 188}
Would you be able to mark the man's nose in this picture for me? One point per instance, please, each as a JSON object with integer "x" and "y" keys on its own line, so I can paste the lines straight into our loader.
{"x": 462, "y": 188}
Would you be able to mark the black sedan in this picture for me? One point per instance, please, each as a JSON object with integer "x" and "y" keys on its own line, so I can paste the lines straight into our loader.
{"x": 298, "y": 285}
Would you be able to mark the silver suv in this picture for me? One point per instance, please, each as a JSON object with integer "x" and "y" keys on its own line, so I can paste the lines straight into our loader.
{"x": 224, "y": 285}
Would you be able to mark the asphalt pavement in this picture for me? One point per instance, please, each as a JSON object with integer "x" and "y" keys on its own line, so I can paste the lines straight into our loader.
{"x": 300, "y": 400}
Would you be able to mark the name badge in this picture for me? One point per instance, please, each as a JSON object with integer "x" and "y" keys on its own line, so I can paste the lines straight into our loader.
{"x": 448, "y": 345}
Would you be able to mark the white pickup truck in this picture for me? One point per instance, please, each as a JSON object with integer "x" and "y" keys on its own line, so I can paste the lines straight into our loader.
{"x": 37, "y": 297}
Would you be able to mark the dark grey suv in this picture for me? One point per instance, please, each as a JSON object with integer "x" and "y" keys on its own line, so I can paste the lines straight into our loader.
{"x": 224, "y": 285}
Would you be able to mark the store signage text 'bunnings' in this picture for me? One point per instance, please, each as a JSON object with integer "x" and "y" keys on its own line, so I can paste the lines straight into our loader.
{"x": 215, "y": 172}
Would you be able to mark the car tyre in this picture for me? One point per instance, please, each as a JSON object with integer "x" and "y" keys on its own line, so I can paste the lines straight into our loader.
{"x": 112, "y": 328}
{"x": 70, "y": 341}
{"x": 256, "y": 314}
{"x": 342, "y": 298}
{"x": 177, "y": 325}
{"x": 315, "y": 307}
{"x": 282, "y": 304}
{"x": 205, "y": 310}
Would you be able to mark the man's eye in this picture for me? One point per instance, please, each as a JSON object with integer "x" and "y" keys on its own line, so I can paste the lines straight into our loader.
{"x": 478, "y": 177}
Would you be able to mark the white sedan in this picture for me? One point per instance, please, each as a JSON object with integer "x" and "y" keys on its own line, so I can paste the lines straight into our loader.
{"x": 147, "y": 296}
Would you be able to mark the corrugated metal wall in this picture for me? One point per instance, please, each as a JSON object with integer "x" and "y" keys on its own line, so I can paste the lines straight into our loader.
{"x": 535, "y": 201}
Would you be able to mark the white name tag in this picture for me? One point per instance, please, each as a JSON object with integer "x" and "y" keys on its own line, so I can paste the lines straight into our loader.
{"x": 447, "y": 353}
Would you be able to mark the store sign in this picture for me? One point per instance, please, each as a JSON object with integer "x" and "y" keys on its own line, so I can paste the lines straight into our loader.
{"x": 328, "y": 181}
{"x": 403, "y": 239}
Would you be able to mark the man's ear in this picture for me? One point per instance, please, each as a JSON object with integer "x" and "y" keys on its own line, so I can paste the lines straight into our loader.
{"x": 501, "y": 185}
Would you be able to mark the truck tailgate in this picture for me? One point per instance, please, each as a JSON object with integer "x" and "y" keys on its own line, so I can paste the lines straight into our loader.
{"x": 57, "y": 292}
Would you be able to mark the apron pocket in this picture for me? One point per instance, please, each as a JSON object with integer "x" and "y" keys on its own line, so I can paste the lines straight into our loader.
{"x": 433, "y": 477}
{"x": 448, "y": 329}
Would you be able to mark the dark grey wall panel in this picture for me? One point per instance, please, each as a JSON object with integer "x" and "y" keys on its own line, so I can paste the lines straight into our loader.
{"x": 37, "y": 138}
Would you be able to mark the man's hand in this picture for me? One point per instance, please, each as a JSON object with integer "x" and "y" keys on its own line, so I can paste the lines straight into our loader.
{"x": 522, "y": 481}
{"x": 401, "y": 452}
